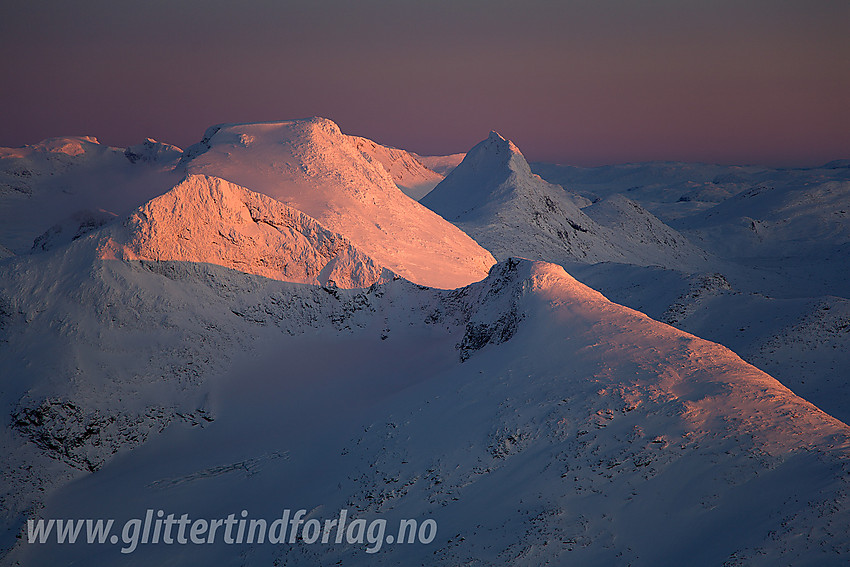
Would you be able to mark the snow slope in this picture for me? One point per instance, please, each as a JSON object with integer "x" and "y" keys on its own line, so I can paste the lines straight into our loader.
{"x": 776, "y": 289}
{"x": 494, "y": 197}
{"x": 407, "y": 170}
{"x": 441, "y": 164}
{"x": 801, "y": 341}
{"x": 535, "y": 421}
{"x": 311, "y": 166}
{"x": 796, "y": 235}
{"x": 111, "y": 337}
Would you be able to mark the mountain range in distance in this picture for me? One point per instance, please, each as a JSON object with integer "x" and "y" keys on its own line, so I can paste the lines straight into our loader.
{"x": 637, "y": 364}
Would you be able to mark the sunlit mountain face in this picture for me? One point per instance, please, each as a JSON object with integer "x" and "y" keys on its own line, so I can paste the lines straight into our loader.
{"x": 532, "y": 363}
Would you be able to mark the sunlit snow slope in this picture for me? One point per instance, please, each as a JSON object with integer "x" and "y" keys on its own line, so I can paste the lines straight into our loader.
{"x": 407, "y": 170}
{"x": 311, "y": 166}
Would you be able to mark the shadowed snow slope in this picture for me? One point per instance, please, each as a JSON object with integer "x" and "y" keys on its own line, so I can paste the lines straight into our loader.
{"x": 531, "y": 418}
{"x": 206, "y": 219}
{"x": 494, "y": 197}
{"x": 311, "y": 166}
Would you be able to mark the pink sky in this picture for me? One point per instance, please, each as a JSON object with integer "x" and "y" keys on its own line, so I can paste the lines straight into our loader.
{"x": 584, "y": 82}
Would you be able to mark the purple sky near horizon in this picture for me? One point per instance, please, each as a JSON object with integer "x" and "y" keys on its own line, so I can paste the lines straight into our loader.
{"x": 581, "y": 82}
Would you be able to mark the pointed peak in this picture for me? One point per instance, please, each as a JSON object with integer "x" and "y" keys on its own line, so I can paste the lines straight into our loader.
{"x": 496, "y": 154}
{"x": 491, "y": 171}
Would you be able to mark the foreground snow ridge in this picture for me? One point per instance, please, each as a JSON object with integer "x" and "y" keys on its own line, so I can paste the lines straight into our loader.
{"x": 605, "y": 433}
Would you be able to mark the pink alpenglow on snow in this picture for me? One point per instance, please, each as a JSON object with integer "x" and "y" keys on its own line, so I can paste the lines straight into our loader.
{"x": 311, "y": 166}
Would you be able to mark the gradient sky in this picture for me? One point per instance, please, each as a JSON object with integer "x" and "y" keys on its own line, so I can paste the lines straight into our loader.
{"x": 582, "y": 82}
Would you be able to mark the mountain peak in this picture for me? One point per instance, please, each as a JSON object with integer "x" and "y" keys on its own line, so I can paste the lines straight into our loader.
{"x": 497, "y": 151}
{"x": 310, "y": 166}
{"x": 490, "y": 172}
{"x": 247, "y": 134}
{"x": 207, "y": 220}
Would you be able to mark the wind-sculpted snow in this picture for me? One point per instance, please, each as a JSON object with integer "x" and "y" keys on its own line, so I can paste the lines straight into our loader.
{"x": 311, "y": 166}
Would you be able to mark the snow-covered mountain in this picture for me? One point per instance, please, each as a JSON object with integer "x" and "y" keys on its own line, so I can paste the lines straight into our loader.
{"x": 311, "y": 166}
{"x": 108, "y": 339}
{"x": 493, "y": 196}
{"x": 607, "y": 436}
{"x": 209, "y": 220}
{"x": 56, "y": 191}
{"x": 773, "y": 289}
{"x": 783, "y": 244}
{"x": 244, "y": 339}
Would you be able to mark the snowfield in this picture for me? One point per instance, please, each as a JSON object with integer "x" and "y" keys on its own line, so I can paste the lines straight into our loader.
{"x": 266, "y": 322}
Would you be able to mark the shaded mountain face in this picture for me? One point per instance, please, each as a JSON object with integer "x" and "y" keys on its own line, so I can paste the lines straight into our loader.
{"x": 604, "y": 432}
{"x": 494, "y": 197}
{"x": 767, "y": 219}
{"x": 311, "y": 166}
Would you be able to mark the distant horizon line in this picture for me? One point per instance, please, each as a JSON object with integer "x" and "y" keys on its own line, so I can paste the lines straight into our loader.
{"x": 580, "y": 163}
